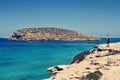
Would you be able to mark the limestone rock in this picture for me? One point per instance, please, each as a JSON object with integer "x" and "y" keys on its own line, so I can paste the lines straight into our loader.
{"x": 101, "y": 64}
{"x": 56, "y": 69}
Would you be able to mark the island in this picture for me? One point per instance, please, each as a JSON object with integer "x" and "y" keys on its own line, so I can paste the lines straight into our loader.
{"x": 57, "y": 34}
{"x": 103, "y": 63}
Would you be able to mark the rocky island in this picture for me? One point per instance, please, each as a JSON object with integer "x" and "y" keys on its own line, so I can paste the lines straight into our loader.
{"x": 102, "y": 63}
{"x": 49, "y": 34}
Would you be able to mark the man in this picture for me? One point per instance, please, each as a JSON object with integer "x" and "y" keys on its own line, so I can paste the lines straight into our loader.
{"x": 108, "y": 40}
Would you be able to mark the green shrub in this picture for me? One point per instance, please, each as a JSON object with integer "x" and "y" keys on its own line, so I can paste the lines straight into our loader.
{"x": 94, "y": 76}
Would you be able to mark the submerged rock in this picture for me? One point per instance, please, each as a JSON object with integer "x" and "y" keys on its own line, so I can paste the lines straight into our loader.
{"x": 49, "y": 34}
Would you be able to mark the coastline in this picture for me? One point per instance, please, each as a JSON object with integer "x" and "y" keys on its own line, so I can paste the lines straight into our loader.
{"x": 67, "y": 50}
{"x": 104, "y": 59}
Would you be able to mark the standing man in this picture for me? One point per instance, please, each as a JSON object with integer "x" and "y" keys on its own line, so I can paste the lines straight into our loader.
{"x": 108, "y": 40}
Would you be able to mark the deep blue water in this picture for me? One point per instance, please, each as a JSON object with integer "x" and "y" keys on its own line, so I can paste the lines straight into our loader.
{"x": 27, "y": 60}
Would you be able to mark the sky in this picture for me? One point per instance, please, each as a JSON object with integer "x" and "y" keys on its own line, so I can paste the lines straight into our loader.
{"x": 92, "y": 17}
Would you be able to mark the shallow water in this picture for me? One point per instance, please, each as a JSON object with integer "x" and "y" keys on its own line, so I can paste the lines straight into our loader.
{"x": 27, "y": 60}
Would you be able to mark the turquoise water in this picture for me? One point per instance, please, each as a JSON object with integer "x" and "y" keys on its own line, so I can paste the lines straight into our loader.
{"x": 27, "y": 60}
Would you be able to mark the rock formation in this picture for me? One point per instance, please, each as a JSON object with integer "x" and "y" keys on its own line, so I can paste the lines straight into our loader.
{"x": 49, "y": 34}
{"x": 100, "y": 64}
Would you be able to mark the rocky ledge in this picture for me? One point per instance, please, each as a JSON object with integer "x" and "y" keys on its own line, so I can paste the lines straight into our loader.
{"x": 102, "y": 63}
{"x": 49, "y": 34}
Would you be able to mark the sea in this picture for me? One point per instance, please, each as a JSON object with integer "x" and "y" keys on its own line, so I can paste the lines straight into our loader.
{"x": 29, "y": 60}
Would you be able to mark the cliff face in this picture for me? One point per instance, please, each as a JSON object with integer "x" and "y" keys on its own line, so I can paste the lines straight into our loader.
{"x": 49, "y": 34}
{"x": 100, "y": 64}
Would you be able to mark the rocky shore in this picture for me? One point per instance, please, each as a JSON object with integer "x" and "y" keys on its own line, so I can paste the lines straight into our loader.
{"x": 103, "y": 63}
{"x": 49, "y": 34}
